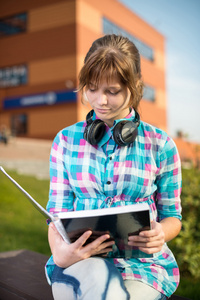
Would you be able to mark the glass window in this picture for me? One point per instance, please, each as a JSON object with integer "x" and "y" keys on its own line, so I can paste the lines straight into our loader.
{"x": 13, "y": 25}
{"x": 149, "y": 93}
{"x": 19, "y": 124}
{"x": 145, "y": 50}
{"x": 13, "y": 76}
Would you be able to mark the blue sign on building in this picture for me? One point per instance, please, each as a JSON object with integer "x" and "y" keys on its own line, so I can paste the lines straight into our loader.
{"x": 48, "y": 98}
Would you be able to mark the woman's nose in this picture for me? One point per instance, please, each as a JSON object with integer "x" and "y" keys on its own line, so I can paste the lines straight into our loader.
{"x": 102, "y": 99}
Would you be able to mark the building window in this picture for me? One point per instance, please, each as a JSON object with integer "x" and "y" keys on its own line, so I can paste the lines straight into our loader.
{"x": 13, "y": 76}
{"x": 19, "y": 124}
{"x": 149, "y": 93}
{"x": 111, "y": 28}
{"x": 13, "y": 25}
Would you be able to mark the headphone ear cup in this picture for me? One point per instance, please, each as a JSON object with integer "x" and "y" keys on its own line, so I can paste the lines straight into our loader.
{"x": 125, "y": 133}
{"x": 94, "y": 132}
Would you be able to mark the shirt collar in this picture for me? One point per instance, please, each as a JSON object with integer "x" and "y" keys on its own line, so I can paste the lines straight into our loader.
{"x": 130, "y": 117}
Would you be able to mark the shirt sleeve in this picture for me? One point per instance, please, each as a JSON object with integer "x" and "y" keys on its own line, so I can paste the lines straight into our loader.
{"x": 61, "y": 196}
{"x": 169, "y": 182}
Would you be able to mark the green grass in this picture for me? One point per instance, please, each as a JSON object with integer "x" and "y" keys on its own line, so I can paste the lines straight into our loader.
{"x": 22, "y": 226}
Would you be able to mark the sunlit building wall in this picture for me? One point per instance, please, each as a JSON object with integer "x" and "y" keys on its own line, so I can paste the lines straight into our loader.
{"x": 42, "y": 47}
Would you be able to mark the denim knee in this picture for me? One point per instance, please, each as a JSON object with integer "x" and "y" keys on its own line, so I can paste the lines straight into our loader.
{"x": 92, "y": 277}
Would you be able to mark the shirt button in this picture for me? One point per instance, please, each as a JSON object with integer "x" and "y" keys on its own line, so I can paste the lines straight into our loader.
{"x": 108, "y": 182}
{"x": 109, "y": 201}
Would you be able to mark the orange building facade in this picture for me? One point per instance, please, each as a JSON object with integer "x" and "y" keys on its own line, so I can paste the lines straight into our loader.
{"x": 42, "y": 48}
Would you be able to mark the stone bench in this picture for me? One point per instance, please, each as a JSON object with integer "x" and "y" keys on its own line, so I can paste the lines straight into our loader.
{"x": 22, "y": 277}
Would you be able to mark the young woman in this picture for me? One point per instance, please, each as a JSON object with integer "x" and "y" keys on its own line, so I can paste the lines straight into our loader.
{"x": 114, "y": 159}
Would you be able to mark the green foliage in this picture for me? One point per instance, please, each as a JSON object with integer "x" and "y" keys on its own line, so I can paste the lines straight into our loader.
{"x": 186, "y": 246}
{"x": 189, "y": 288}
{"x": 22, "y": 226}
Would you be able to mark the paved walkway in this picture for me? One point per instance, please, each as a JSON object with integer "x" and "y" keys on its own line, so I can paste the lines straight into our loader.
{"x": 26, "y": 156}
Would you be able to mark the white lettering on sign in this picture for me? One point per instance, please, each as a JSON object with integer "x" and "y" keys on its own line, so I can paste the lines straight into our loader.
{"x": 49, "y": 99}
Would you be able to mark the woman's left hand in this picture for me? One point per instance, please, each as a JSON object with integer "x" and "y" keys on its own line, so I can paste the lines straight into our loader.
{"x": 149, "y": 241}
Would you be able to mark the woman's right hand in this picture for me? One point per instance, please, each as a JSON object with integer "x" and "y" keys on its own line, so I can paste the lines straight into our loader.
{"x": 65, "y": 255}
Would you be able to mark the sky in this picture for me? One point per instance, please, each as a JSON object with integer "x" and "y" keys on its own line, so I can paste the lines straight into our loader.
{"x": 179, "y": 22}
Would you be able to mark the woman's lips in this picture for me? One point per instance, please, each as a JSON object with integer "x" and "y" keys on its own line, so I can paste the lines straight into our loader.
{"x": 102, "y": 111}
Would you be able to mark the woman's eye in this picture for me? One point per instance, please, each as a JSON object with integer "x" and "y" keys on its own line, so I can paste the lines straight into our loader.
{"x": 92, "y": 90}
{"x": 113, "y": 93}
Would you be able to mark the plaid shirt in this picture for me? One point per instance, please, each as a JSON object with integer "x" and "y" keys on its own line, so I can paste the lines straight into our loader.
{"x": 91, "y": 177}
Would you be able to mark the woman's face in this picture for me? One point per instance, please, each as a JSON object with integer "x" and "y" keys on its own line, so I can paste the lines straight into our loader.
{"x": 109, "y": 100}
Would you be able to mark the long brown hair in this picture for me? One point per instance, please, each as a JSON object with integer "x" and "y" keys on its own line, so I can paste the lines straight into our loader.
{"x": 109, "y": 57}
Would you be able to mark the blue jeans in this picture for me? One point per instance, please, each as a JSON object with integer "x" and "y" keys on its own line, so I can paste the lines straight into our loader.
{"x": 96, "y": 278}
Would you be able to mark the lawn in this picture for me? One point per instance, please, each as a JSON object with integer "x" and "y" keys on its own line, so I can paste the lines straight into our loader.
{"x": 23, "y": 227}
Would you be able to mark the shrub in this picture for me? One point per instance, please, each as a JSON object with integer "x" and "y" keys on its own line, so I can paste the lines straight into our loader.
{"x": 186, "y": 246}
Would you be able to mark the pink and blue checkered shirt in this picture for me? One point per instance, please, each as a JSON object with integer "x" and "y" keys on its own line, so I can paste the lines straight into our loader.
{"x": 83, "y": 176}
